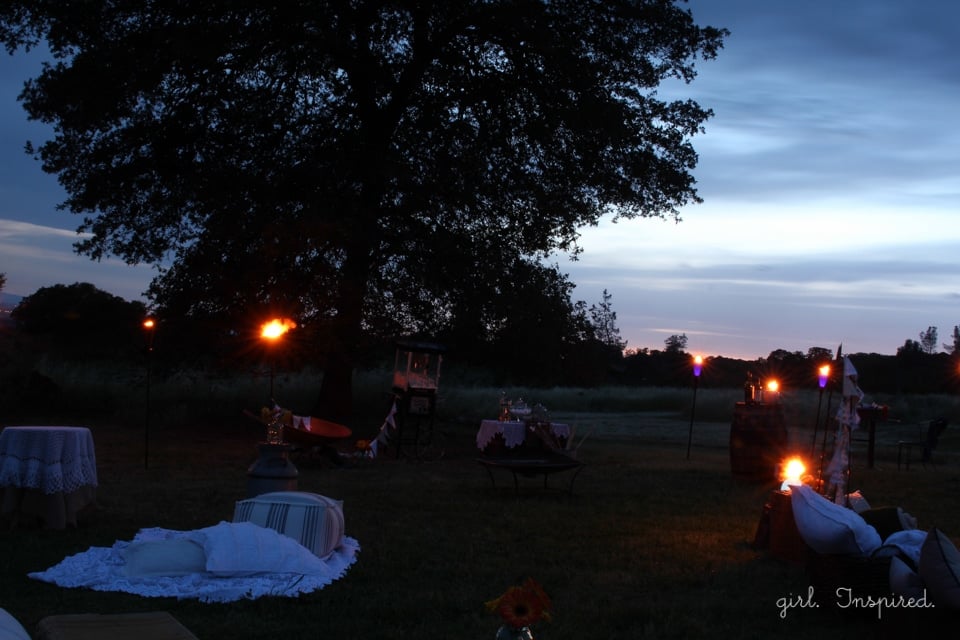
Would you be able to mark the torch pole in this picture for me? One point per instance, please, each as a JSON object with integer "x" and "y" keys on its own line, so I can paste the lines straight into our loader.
{"x": 697, "y": 370}
{"x": 146, "y": 418}
{"x": 693, "y": 408}
{"x": 272, "y": 365}
{"x": 823, "y": 447}
{"x": 149, "y": 325}
{"x": 816, "y": 426}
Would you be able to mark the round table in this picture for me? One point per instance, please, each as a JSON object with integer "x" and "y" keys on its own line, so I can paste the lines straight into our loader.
{"x": 47, "y": 471}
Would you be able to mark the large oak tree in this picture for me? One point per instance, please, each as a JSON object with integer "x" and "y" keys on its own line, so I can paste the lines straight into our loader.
{"x": 340, "y": 159}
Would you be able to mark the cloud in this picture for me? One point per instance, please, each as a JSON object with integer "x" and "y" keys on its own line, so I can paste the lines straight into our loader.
{"x": 27, "y": 230}
{"x": 829, "y": 101}
{"x": 34, "y": 256}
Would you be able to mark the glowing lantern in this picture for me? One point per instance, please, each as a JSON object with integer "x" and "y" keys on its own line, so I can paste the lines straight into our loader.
{"x": 793, "y": 471}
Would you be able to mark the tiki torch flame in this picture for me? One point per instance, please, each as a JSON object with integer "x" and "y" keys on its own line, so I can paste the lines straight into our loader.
{"x": 275, "y": 328}
{"x": 793, "y": 470}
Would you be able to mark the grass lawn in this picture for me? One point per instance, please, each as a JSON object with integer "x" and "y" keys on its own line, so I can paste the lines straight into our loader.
{"x": 650, "y": 545}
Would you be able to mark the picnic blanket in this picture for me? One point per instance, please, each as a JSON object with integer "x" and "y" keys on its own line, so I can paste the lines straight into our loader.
{"x": 223, "y": 563}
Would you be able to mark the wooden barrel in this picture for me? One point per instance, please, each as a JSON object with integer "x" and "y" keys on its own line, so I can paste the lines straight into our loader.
{"x": 758, "y": 441}
{"x": 785, "y": 540}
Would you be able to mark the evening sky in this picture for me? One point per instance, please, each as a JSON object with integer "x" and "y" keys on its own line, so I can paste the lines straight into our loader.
{"x": 828, "y": 173}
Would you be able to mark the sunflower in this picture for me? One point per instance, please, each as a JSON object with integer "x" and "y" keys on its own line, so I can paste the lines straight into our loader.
{"x": 541, "y": 596}
{"x": 522, "y": 606}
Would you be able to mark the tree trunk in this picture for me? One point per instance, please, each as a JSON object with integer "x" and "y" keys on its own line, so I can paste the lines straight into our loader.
{"x": 335, "y": 398}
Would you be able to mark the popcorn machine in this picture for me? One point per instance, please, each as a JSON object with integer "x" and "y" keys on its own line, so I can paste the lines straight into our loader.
{"x": 416, "y": 377}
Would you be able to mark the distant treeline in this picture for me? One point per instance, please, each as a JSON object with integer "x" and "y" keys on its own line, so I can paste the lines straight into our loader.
{"x": 81, "y": 324}
{"x": 902, "y": 373}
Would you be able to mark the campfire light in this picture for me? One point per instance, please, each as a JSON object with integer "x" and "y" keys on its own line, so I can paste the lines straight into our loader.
{"x": 793, "y": 470}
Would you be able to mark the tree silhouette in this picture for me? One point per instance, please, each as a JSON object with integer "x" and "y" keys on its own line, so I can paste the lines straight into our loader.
{"x": 80, "y": 321}
{"x": 954, "y": 346}
{"x": 910, "y": 348}
{"x": 675, "y": 343}
{"x": 603, "y": 319}
{"x": 819, "y": 354}
{"x": 929, "y": 340}
{"x": 336, "y": 160}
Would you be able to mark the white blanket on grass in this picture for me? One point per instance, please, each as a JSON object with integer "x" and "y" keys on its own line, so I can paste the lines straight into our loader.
{"x": 222, "y": 563}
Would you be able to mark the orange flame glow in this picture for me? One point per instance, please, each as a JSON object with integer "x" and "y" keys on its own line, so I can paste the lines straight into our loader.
{"x": 793, "y": 470}
{"x": 275, "y": 328}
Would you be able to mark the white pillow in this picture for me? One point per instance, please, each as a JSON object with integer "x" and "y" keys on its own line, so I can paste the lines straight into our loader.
{"x": 10, "y": 627}
{"x": 175, "y": 557}
{"x": 940, "y": 569}
{"x": 908, "y": 542}
{"x": 828, "y": 528}
{"x": 244, "y": 548}
{"x": 904, "y": 581}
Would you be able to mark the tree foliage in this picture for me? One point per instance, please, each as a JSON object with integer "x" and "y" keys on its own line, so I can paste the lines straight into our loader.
{"x": 675, "y": 343}
{"x": 954, "y": 346}
{"x": 819, "y": 354}
{"x": 929, "y": 340}
{"x": 352, "y": 162}
{"x": 80, "y": 321}
{"x": 603, "y": 319}
{"x": 909, "y": 348}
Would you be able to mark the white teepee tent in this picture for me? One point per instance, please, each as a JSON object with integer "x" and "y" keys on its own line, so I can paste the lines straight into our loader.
{"x": 838, "y": 470}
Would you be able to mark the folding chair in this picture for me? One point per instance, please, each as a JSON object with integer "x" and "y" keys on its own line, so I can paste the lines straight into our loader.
{"x": 928, "y": 441}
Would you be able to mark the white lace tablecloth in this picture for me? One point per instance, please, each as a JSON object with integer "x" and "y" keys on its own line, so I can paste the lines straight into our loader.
{"x": 48, "y": 459}
{"x": 514, "y": 432}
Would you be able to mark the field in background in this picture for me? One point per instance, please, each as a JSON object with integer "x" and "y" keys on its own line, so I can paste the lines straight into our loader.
{"x": 188, "y": 397}
{"x": 651, "y": 544}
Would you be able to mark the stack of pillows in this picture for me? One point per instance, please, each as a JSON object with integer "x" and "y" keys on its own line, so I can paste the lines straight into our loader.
{"x": 920, "y": 561}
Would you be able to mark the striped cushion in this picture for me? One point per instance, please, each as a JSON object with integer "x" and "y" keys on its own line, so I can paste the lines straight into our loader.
{"x": 313, "y": 520}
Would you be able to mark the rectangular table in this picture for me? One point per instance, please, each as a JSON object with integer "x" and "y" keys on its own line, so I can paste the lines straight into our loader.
{"x": 47, "y": 472}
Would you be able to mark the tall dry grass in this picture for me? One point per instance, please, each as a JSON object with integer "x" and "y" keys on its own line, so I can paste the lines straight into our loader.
{"x": 181, "y": 397}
